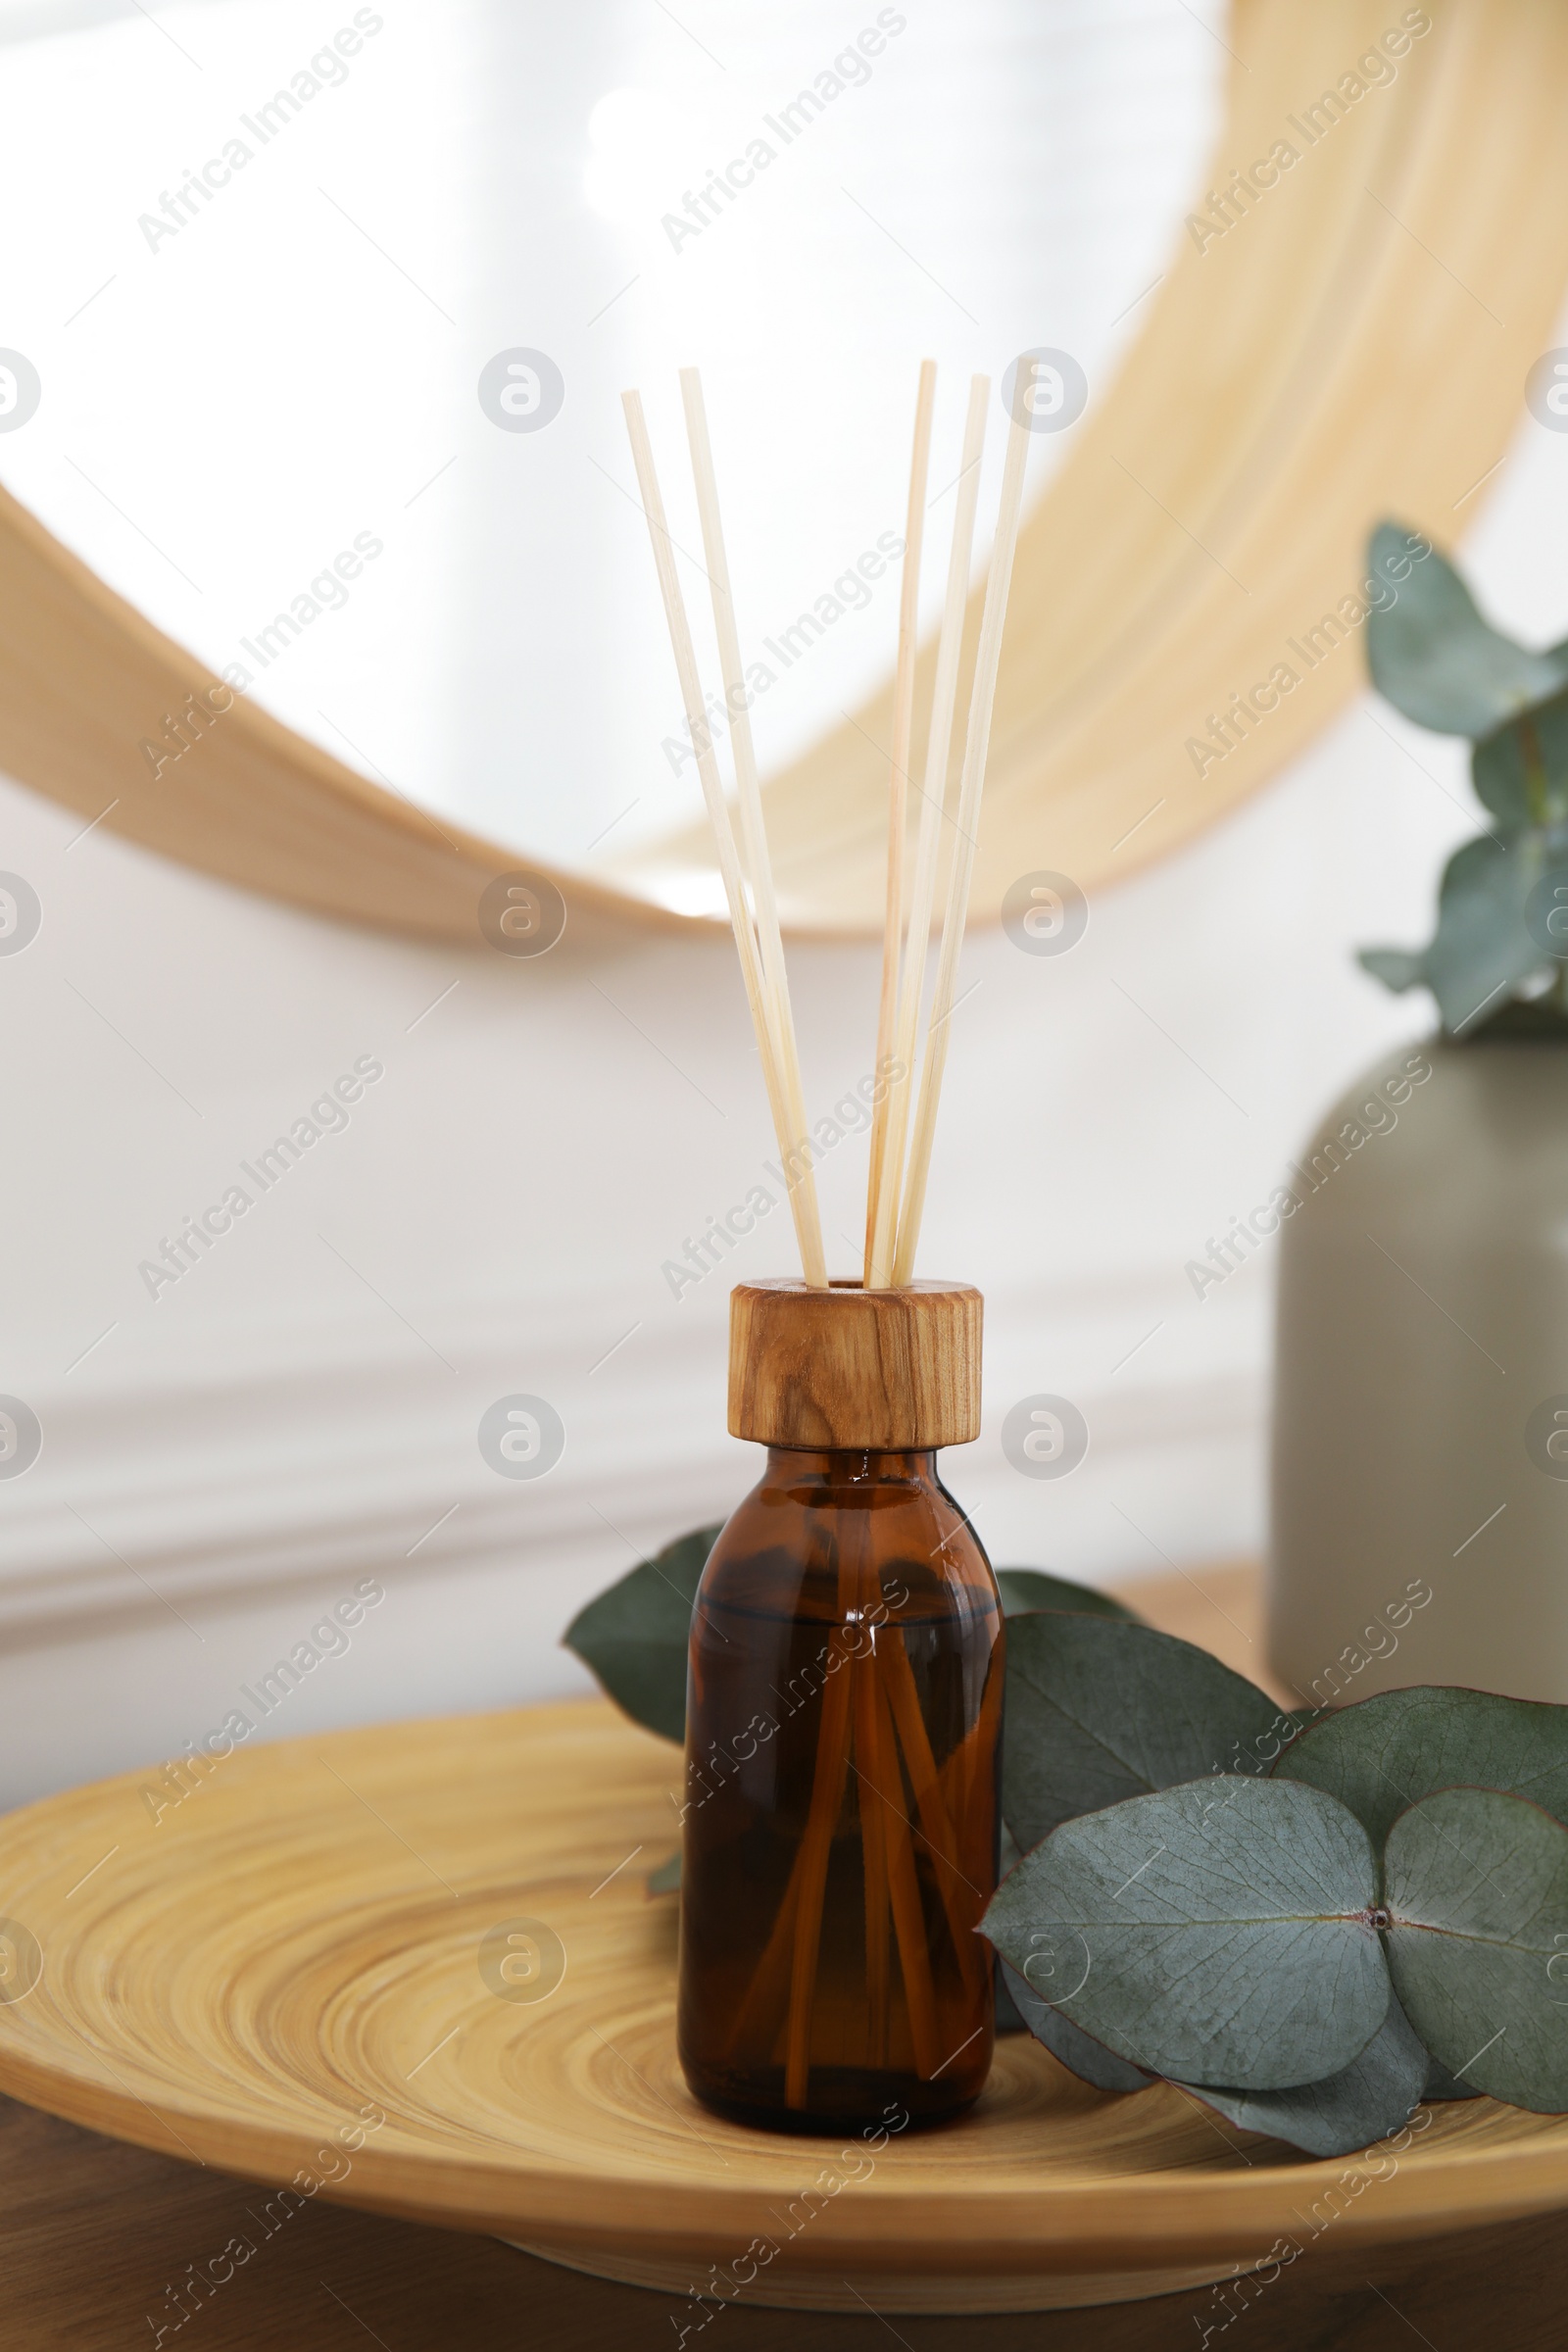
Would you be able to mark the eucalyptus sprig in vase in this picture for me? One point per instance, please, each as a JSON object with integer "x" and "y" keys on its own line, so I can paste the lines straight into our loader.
{"x": 1421, "y": 1387}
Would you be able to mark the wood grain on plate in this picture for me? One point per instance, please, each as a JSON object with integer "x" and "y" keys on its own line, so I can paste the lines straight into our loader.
{"x": 299, "y": 1941}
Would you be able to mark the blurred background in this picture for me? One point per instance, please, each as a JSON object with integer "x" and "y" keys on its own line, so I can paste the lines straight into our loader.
{"x": 287, "y": 368}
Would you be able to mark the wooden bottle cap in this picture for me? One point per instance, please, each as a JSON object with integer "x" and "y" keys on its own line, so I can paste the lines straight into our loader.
{"x": 873, "y": 1371}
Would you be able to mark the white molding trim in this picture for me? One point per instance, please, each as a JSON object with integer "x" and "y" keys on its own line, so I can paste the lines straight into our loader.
{"x": 363, "y": 1459}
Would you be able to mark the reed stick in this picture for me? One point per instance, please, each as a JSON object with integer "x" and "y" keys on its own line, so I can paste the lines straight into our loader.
{"x": 933, "y": 787}
{"x": 893, "y": 922}
{"x": 891, "y": 1875}
{"x": 772, "y": 1973}
{"x": 680, "y": 638}
{"x": 962, "y": 1764}
{"x": 754, "y": 832}
{"x": 931, "y": 1804}
{"x": 874, "y": 1752}
{"x": 960, "y": 871}
{"x": 770, "y": 1978}
{"x": 908, "y": 1918}
{"x": 873, "y": 1835}
{"x": 828, "y": 1778}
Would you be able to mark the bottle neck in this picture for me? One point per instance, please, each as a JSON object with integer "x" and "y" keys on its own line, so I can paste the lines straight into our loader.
{"x": 796, "y": 1466}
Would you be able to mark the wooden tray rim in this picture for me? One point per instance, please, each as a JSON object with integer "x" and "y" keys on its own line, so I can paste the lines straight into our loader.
{"x": 1053, "y": 2224}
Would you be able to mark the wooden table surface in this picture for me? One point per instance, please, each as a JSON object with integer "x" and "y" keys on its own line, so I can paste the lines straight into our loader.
{"x": 94, "y": 2234}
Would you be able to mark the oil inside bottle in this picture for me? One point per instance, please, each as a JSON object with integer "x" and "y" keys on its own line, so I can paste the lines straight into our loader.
{"x": 841, "y": 1818}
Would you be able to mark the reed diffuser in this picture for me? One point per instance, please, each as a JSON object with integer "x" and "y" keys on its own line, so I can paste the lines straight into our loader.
{"x": 843, "y": 1702}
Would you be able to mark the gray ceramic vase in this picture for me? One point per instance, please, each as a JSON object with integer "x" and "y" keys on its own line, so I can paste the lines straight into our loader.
{"x": 1420, "y": 1446}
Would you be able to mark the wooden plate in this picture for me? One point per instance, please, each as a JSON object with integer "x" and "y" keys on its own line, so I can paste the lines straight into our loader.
{"x": 294, "y": 1950}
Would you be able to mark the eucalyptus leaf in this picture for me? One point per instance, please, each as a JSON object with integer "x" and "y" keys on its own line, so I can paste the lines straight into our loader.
{"x": 1482, "y": 946}
{"x": 1100, "y": 1710}
{"x": 1079, "y": 2052}
{"x": 634, "y": 1636}
{"x": 1377, "y": 2093}
{"x": 1521, "y": 771}
{"x": 1217, "y": 1932}
{"x": 1388, "y": 1752}
{"x": 1476, "y": 1887}
{"x": 1024, "y": 1589}
{"x": 1440, "y": 2084}
{"x": 1399, "y": 969}
{"x": 1434, "y": 657}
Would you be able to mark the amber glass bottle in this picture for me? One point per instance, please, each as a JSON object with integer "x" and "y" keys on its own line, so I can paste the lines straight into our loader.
{"x": 844, "y": 1716}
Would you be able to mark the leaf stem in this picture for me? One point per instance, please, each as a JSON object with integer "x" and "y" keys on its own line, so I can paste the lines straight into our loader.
{"x": 1537, "y": 793}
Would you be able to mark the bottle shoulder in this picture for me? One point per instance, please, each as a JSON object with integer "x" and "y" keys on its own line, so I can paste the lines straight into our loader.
{"x": 835, "y": 1547}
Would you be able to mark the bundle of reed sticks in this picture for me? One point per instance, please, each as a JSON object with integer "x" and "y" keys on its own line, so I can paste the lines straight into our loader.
{"x": 872, "y": 1725}
{"x": 900, "y": 1149}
